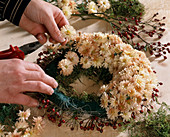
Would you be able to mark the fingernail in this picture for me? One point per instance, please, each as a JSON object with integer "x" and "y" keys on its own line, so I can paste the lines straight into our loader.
{"x": 55, "y": 84}
{"x": 51, "y": 92}
{"x": 61, "y": 39}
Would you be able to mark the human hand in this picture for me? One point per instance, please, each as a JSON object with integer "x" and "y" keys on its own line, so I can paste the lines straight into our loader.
{"x": 40, "y": 17}
{"x": 18, "y": 76}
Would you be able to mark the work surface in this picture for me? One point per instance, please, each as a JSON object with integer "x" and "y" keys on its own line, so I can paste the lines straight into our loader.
{"x": 10, "y": 34}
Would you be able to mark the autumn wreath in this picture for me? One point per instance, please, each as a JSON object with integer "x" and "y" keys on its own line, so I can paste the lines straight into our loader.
{"x": 128, "y": 86}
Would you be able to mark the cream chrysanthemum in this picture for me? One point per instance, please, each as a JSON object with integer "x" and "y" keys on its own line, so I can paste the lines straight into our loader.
{"x": 126, "y": 116}
{"x": 2, "y": 130}
{"x": 103, "y": 89}
{"x": 24, "y": 115}
{"x": 67, "y": 11}
{"x": 38, "y": 123}
{"x": 103, "y": 5}
{"x": 62, "y": 3}
{"x": 68, "y": 32}
{"x": 21, "y": 124}
{"x": 73, "y": 6}
{"x": 112, "y": 113}
{"x": 86, "y": 62}
{"x": 16, "y": 133}
{"x": 66, "y": 67}
{"x": 73, "y": 57}
{"x": 92, "y": 7}
{"x": 104, "y": 100}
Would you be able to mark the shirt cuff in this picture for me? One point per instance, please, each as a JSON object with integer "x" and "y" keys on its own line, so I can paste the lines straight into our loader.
{"x": 14, "y": 10}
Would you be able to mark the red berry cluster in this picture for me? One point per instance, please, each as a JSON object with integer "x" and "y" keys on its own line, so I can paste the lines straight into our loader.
{"x": 45, "y": 57}
{"x": 135, "y": 31}
{"x": 96, "y": 123}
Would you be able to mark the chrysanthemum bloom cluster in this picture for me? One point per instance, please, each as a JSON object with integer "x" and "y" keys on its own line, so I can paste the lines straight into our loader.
{"x": 132, "y": 85}
{"x": 130, "y": 90}
{"x": 68, "y": 7}
{"x": 22, "y": 127}
{"x": 100, "y": 7}
{"x": 68, "y": 32}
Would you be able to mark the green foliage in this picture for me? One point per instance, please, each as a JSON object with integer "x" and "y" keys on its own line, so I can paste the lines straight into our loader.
{"x": 156, "y": 124}
{"x": 125, "y": 8}
{"x": 128, "y": 8}
{"x": 8, "y": 113}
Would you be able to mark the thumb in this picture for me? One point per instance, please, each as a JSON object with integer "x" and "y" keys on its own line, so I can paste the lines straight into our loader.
{"x": 41, "y": 37}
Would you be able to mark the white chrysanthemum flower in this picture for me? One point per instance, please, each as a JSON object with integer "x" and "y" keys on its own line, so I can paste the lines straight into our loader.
{"x": 98, "y": 61}
{"x": 73, "y": 6}
{"x": 103, "y": 5}
{"x": 21, "y": 124}
{"x": 131, "y": 90}
{"x": 86, "y": 62}
{"x": 104, "y": 100}
{"x": 123, "y": 85}
{"x": 66, "y": 67}
{"x": 139, "y": 82}
{"x": 67, "y": 11}
{"x": 85, "y": 49}
{"x": 2, "y": 130}
{"x": 103, "y": 88}
{"x": 14, "y": 134}
{"x": 27, "y": 133}
{"x": 126, "y": 116}
{"x": 51, "y": 47}
{"x": 24, "y": 115}
{"x": 73, "y": 57}
{"x": 136, "y": 107}
{"x": 38, "y": 123}
{"x": 68, "y": 32}
{"x": 113, "y": 102}
{"x": 121, "y": 98}
{"x": 62, "y": 3}
{"x": 114, "y": 39}
{"x": 92, "y": 7}
{"x": 112, "y": 113}
{"x": 104, "y": 49}
{"x": 125, "y": 61}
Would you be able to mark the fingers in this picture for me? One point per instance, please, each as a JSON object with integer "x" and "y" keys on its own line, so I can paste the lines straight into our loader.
{"x": 38, "y": 76}
{"x": 54, "y": 42}
{"x": 54, "y": 30}
{"x": 60, "y": 18}
{"x": 32, "y": 66}
{"x": 35, "y": 73}
{"x": 61, "y": 21}
{"x": 42, "y": 38}
{"x": 38, "y": 30}
{"x": 25, "y": 100}
{"x": 37, "y": 86}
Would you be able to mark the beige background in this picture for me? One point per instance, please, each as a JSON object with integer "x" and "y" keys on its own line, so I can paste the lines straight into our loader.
{"x": 10, "y": 34}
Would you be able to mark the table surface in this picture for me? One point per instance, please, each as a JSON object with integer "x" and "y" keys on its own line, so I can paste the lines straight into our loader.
{"x": 10, "y": 34}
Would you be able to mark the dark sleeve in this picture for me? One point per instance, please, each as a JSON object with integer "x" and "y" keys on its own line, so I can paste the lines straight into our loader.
{"x": 12, "y": 10}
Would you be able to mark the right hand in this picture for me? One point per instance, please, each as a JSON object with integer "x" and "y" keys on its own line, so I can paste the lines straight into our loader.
{"x": 18, "y": 76}
{"x": 41, "y": 17}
